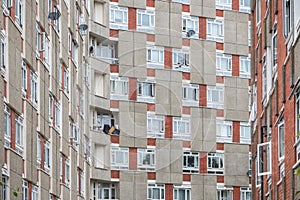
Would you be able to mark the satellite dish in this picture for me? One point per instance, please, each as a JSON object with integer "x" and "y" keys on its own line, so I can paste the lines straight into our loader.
{"x": 190, "y": 33}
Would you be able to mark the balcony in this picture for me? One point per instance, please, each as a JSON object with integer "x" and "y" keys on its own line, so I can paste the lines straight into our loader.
{"x": 98, "y": 30}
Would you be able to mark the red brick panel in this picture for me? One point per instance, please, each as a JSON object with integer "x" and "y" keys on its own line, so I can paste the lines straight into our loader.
{"x": 236, "y": 5}
{"x": 203, "y": 162}
{"x": 186, "y": 177}
{"x": 185, "y": 8}
{"x": 168, "y": 191}
{"x": 131, "y": 18}
{"x": 114, "y": 33}
{"x": 132, "y": 89}
{"x": 220, "y": 79}
{"x": 150, "y": 38}
{"x": 150, "y": 3}
{"x": 114, "y": 139}
{"x": 114, "y": 174}
{"x": 220, "y": 179}
{"x": 202, "y": 28}
{"x": 220, "y": 146}
{"x": 150, "y": 107}
{"x": 168, "y": 127}
{"x": 114, "y": 104}
{"x": 132, "y": 158}
{"x": 151, "y": 142}
{"x": 236, "y": 131}
{"x": 151, "y": 176}
{"x": 186, "y": 144}
{"x": 186, "y": 76}
{"x": 219, "y": 46}
{"x": 114, "y": 0}
{"x": 151, "y": 72}
{"x": 114, "y": 68}
{"x": 203, "y": 95}
{"x": 186, "y": 42}
{"x": 168, "y": 58}
{"x": 219, "y": 13}
{"x": 235, "y": 65}
{"x": 186, "y": 110}
{"x": 13, "y": 130}
{"x": 236, "y": 192}
{"x": 220, "y": 113}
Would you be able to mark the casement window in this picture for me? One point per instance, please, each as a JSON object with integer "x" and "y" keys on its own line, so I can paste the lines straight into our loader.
{"x": 146, "y": 159}
{"x": 146, "y": 91}
{"x": 34, "y": 193}
{"x": 4, "y": 188}
{"x": 75, "y": 48}
{"x": 281, "y": 140}
{"x": 224, "y": 4}
{"x": 3, "y": 53}
{"x": 67, "y": 171}
{"x": 182, "y": 1}
{"x": 74, "y": 133}
{"x": 118, "y": 17}
{"x": 245, "y": 133}
{"x": 51, "y": 101}
{"x": 298, "y": 152}
{"x": 19, "y": 134}
{"x": 52, "y": 8}
{"x": 25, "y": 190}
{"x": 181, "y": 59}
{"x": 258, "y": 12}
{"x": 7, "y": 3}
{"x": 215, "y": 96}
{"x": 145, "y": 20}
{"x": 215, "y": 163}
{"x": 107, "y": 51}
{"x": 224, "y": 64}
{"x": 224, "y": 193}
{"x": 245, "y": 66}
{"x": 190, "y": 23}
{"x": 100, "y": 83}
{"x": 224, "y": 131}
{"x": 155, "y": 126}
{"x": 190, "y": 92}
{"x": 155, "y": 57}
{"x": 100, "y": 120}
{"x": 245, "y": 6}
{"x": 38, "y": 150}
{"x": 58, "y": 116}
{"x": 264, "y": 159}
{"x": 281, "y": 170}
{"x": 297, "y": 124}
{"x": 47, "y": 52}
{"x": 190, "y": 162}
{"x": 287, "y": 16}
{"x": 181, "y": 128}
{"x": 215, "y": 30}
{"x": 66, "y": 80}
{"x": 118, "y": 87}
{"x": 81, "y": 189}
{"x": 182, "y": 192}
{"x": 24, "y": 79}
{"x": 249, "y": 33}
{"x": 274, "y": 47}
{"x": 246, "y": 193}
{"x": 81, "y": 103}
{"x": 47, "y": 155}
{"x": 34, "y": 88}
{"x": 257, "y": 178}
{"x": 7, "y": 126}
{"x": 156, "y": 191}
{"x": 87, "y": 149}
{"x": 105, "y": 191}
{"x": 264, "y": 79}
{"x": 19, "y": 12}
{"x": 119, "y": 158}
{"x": 40, "y": 38}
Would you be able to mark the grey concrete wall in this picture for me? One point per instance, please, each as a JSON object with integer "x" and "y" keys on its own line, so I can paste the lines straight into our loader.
{"x": 203, "y": 8}
{"x": 133, "y": 185}
{"x": 203, "y": 187}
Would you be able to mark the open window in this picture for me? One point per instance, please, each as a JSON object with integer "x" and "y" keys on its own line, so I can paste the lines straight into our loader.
{"x": 264, "y": 159}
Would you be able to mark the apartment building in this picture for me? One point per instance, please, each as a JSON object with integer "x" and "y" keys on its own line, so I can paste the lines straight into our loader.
{"x": 125, "y": 99}
{"x": 275, "y": 92}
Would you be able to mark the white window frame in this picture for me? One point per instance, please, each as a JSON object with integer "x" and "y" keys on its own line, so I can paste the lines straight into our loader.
{"x": 245, "y": 66}
{"x": 38, "y": 150}
{"x": 260, "y": 150}
{"x": 149, "y": 14}
{"x": 67, "y": 171}
{"x": 123, "y": 24}
{"x": 221, "y": 68}
{"x": 147, "y": 155}
{"x": 192, "y": 168}
{"x": 219, "y": 169}
{"x": 4, "y": 191}
{"x": 151, "y": 62}
{"x": 181, "y": 59}
{"x": 34, "y": 88}
{"x": 258, "y": 12}
{"x": 244, "y": 128}
{"x": 297, "y": 124}
{"x": 3, "y": 56}
{"x": 47, "y": 52}
{"x": 146, "y": 90}
{"x": 103, "y": 188}
{"x": 213, "y": 35}
{"x": 155, "y": 191}
{"x": 224, "y": 6}
{"x": 244, "y": 7}
{"x": 24, "y": 190}
{"x": 190, "y": 94}
{"x": 47, "y": 155}
{"x": 190, "y": 23}
{"x": 184, "y": 134}
{"x": 287, "y": 17}
{"x": 19, "y": 12}
{"x": 24, "y": 79}
{"x": 19, "y": 134}
{"x": 124, "y": 153}
{"x": 274, "y": 47}
{"x": 107, "y": 51}
{"x": 74, "y": 133}
{"x": 58, "y": 116}
{"x": 182, "y": 1}
{"x": 224, "y": 193}
{"x": 182, "y": 188}
{"x": 219, "y": 89}
{"x": 82, "y": 183}
{"x": 281, "y": 143}
{"x": 114, "y": 82}
{"x": 245, "y": 191}
{"x": 34, "y": 193}
{"x": 66, "y": 80}
{"x": 224, "y": 130}
{"x": 7, "y": 126}
{"x": 155, "y": 126}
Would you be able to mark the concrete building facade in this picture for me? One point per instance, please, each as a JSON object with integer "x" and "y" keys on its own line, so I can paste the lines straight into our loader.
{"x": 275, "y": 92}
{"x": 125, "y": 99}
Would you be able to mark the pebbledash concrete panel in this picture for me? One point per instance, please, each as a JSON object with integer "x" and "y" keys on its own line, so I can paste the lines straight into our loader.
{"x": 203, "y": 187}
{"x": 203, "y": 8}
{"x": 133, "y": 185}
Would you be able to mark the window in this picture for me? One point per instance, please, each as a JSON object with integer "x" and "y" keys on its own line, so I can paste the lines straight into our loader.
{"x": 4, "y": 188}
{"x": 181, "y": 128}
{"x": 19, "y": 134}
{"x": 297, "y": 124}
{"x": 215, "y": 96}
{"x": 246, "y": 193}
{"x": 75, "y": 48}
{"x": 245, "y": 66}
{"x": 281, "y": 170}
{"x": 105, "y": 191}
{"x": 245, "y": 6}
{"x": 190, "y": 94}
{"x": 34, "y": 193}
{"x": 82, "y": 183}
{"x": 245, "y": 133}
{"x": 107, "y": 51}
{"x": 58, "y": 116}
{"x": 146, "y": 91}
{"x": 118, "y": 17}
{"x": 215, "y": 163}
{"x": 81, "y": 103}
{"x": 264, "y": 152}
{"x": 215, "y": 30}
{"x": 119, "y": 158}
{"x": 190, "y": 23}
{"x": 287, "y": 17}
{"x": 182, "y": 1}
{"x": 224, "y": 131}
{"x": 264, "y": 79}
{"x": 3, "y": 53}
{"x": 146, "y": 159}
{"x": 156, "y": 192}
{"x": 155, "y": 126}
{"x": 190, "y": 162}
{"x": 24, "y": 79}
{"x": 67, "y": 171}
{"x": 87, "y": 149}
{"x": 274, "y": 46}
{"x": 38, "y": 150}
{"x": 224, "y": 64}
{"x": 249, "y": 33}
{"x": 34, "y": 88}
{"x": 182, "y": 192}
{"x": 224, "y": 4}
{"x": 281, "y": 140}
{"x": 224, "y": 193}
{"x": 258, "y": 12}
{"x": 74, "y": 133}
{"x": 47, "y": 155}
{"x": 155, "y": 57}
{"x": 146, "y": 20}
{"x": 119, "y": 87}
{"x": 7, "y": 130}
{"x": 181, "y": 59}
{"x": 7, "y": 3}
{"x": 46, "y": 52}
{"x": 19, "y": 12}
{"x": 24, "y": 190}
